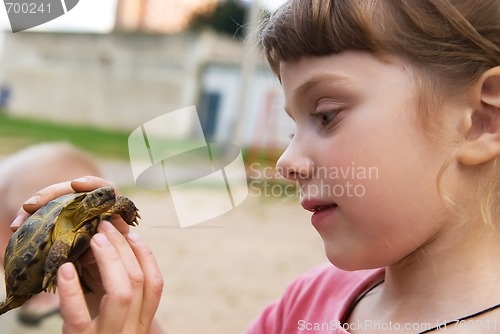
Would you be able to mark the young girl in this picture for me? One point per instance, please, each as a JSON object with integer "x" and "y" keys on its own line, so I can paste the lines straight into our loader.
{"x": 403, "y": 98}
{"x": 410, "y": 89}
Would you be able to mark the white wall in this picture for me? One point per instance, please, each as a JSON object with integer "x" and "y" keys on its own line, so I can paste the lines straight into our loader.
{"x": 123, "y": 80}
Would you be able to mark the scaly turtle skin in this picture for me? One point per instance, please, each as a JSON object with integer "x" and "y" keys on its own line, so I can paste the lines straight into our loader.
{"x": 58, "y": 232}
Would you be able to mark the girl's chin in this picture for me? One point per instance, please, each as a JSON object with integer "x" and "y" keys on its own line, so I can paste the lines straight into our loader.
{"x": 348, "y": 261}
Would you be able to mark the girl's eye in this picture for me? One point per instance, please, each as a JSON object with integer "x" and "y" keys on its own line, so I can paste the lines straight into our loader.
{"x": 327, "y": 116}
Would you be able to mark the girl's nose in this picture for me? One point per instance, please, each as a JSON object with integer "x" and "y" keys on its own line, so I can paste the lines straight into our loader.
{"x": 294, "y": 164}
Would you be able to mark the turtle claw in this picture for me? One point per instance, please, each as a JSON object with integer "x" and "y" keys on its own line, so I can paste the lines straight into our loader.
{"x": 51, "y": 289}
{"x": 126, "y": 209}
{"x": 135, "y": 221}
{"x": 49, "y": 283}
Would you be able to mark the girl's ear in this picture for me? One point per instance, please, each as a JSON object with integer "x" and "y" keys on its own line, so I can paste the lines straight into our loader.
{"x": 482, "y": 142}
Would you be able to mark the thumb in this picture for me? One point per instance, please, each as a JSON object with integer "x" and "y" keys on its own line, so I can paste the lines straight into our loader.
{"x": 74, "y": 310}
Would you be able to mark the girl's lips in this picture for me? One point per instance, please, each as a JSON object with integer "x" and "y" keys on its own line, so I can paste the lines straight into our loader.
{"x": 317, "y": 205}
{"x": 324, "y": 207}
{"x": 322, "y": 210}
{"x": 323, "y": 215}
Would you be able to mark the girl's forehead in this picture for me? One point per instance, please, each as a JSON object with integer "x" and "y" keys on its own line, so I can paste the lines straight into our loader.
{"x": 348, "y": 67}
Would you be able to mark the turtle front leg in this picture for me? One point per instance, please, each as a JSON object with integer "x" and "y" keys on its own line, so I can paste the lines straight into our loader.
{"x": 126, "y": 209}
{"x": 58, "y": 255}
{"x": 67, "y": 248}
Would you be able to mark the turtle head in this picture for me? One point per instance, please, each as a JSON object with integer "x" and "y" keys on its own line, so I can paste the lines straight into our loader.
{"x": 99, "y": 200}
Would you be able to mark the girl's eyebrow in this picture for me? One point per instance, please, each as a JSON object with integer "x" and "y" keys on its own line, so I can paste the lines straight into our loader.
{"x": 311, "y": 83}
{"x": 304, "y": 89}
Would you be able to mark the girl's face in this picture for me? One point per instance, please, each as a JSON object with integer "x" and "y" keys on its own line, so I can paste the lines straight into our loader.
{"x": 361, "y": 158}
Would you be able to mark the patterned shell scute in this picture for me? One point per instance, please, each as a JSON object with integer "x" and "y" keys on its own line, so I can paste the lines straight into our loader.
{"x": 27, "y": 252}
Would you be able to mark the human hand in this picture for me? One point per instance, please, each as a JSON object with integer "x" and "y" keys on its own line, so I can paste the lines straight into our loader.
{"x": 119, "y": 268}
{"x": 131, "y": 287}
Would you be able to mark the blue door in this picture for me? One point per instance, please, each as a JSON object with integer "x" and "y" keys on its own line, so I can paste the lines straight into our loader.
{"x": 209, "y": 112}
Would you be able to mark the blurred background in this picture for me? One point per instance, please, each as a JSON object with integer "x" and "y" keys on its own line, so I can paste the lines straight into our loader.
{"x": 93, "y": 75}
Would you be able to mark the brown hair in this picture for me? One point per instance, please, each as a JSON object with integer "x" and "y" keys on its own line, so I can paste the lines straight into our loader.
{"x": 455, "y": 39}
{"x": 450, "y": 44}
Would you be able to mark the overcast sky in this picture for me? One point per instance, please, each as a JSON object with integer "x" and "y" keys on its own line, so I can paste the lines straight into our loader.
{"x": 90, "y": 15}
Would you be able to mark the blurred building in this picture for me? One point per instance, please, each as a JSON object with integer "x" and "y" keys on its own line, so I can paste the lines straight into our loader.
{"x": 159, "y": 16}
{"x": 122, "y": 80}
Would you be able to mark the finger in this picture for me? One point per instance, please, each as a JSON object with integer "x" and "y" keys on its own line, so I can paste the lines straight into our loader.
{"x": 116, "y": 303}
{"x": 133, "y": 269}
{"x": 88, "y": 258}
{"x": 120, "y": 224}
{"x": 91, "y": 272}
{"x": 89, "y": 183}
{"x": 153, "y": 280}
{"x": 121, "y": 245}
{"x": 74, "y": 310}
{"x": 46, "y": 195}
{"x": 21, "y": 217}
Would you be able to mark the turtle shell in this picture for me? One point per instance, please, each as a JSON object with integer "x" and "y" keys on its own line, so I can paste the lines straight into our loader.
{"x": 68, "y": 222}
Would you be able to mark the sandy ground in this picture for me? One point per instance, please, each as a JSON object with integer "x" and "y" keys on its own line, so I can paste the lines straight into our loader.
{"x": 220, "y": 274}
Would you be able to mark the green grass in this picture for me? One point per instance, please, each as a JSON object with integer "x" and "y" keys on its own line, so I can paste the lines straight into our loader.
{"x": 17, "y": 133}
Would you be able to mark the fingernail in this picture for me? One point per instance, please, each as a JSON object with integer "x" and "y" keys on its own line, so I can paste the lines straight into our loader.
{"x": 67, "y": 272}
{"x": 81, "y": 180}
{"x": 107, "y": 226}
{"x": 17, "y": 222}
{"x": 134, "y": 238}
{"x": 33, "y": 200}
{"x": 101, "y": 240}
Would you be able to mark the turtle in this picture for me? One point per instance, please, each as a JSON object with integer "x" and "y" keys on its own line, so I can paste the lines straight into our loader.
{"x": 58, "y": 232}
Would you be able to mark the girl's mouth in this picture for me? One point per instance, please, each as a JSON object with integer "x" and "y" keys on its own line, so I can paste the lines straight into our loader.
{"x": 317, "y": 205}
{"x": 323, "y": 211}
{"x": 323, "y": 207}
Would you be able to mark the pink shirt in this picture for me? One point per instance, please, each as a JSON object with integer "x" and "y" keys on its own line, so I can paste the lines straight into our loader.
{"x": 316, "y": 302}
